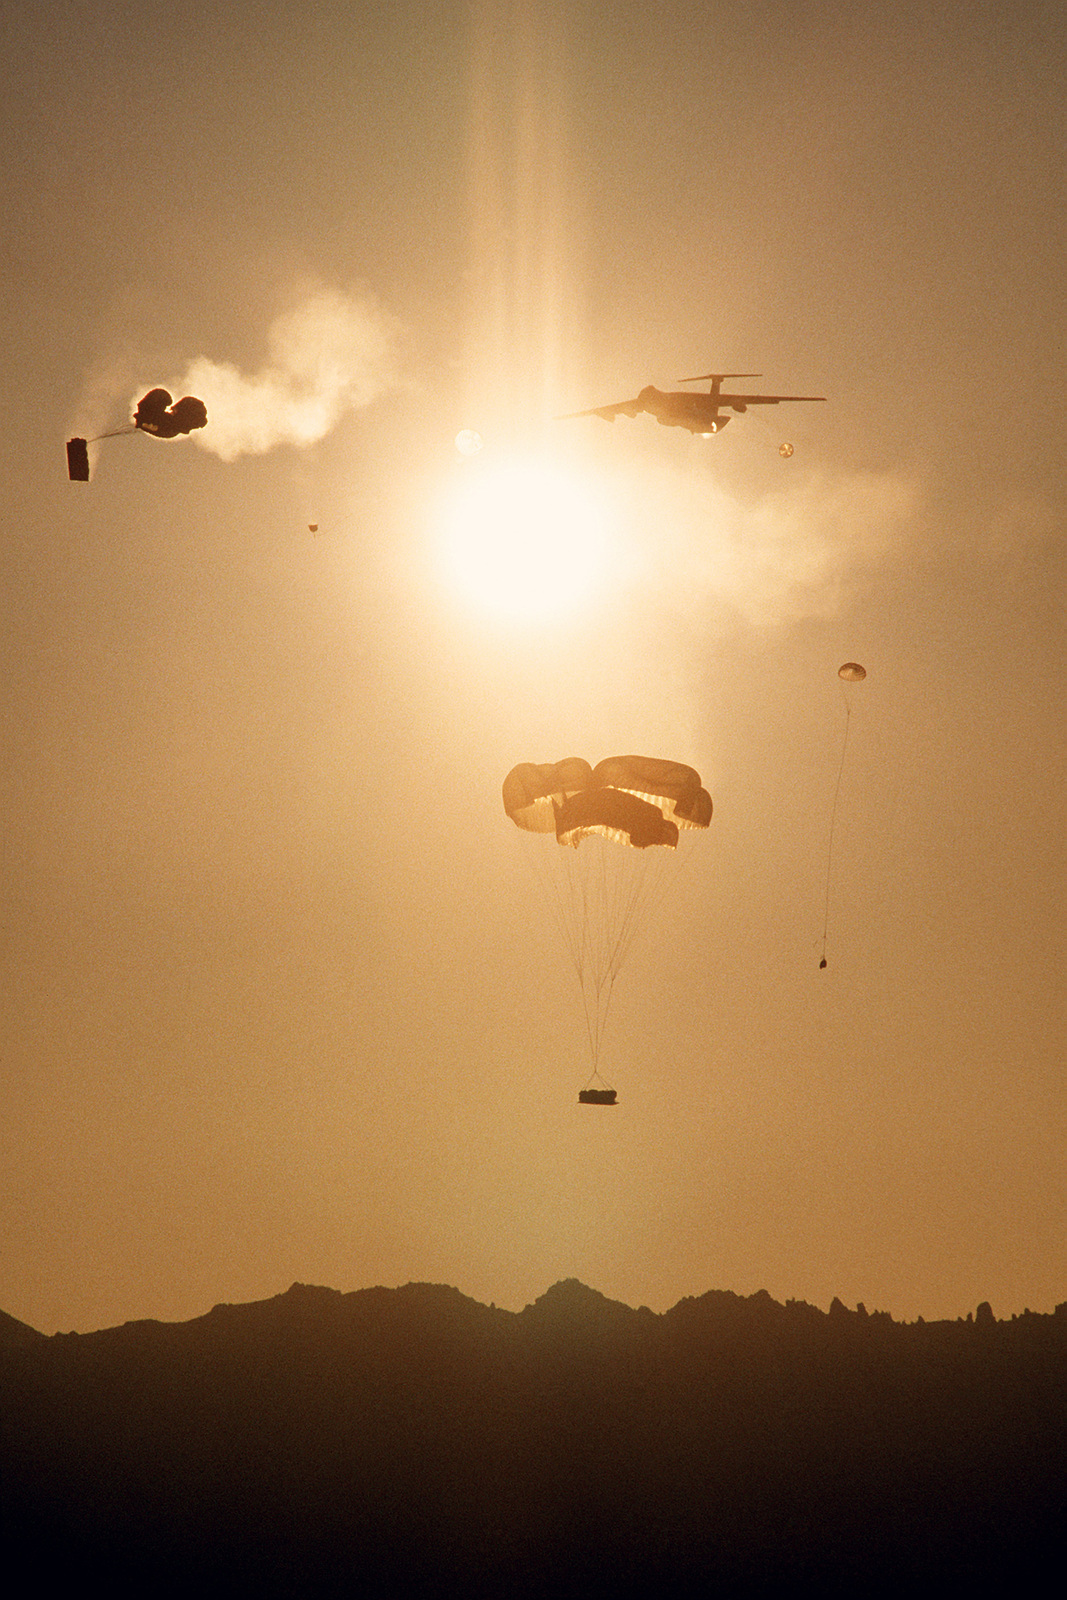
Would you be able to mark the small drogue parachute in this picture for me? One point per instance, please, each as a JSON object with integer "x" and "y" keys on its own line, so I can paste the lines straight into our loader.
{"x": 852, "y": 672}
{"x": 156, "y": 414}
{"x": 639, "y": 805}
{"x": 785, "y": 451}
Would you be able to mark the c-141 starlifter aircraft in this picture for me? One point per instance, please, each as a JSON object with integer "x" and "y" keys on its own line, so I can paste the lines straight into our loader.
{"x": 700, "y": 413}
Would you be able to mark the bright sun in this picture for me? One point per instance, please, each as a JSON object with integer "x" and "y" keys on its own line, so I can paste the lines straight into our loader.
{"x": 523, "y": 539}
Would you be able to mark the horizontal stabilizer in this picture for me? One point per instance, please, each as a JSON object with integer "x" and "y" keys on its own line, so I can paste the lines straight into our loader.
{"x": 719, "y": 377}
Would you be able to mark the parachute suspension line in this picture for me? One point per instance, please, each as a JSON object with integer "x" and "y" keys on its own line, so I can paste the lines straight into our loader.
{"x": 598, "y": 897}
{"x": 597, "y": 912}
{"x": 616, "y": 899}
{"x": 621, "y": 898}
{"x": 564, "y": 875}
{"x": 648, "y": 894}
{"x": 833, "y": 820}
{"x": 579, "y": 869}
{"x": 552, "y": 885}
{"x": 117, "y": 434}
{"x": 588, "y": 957}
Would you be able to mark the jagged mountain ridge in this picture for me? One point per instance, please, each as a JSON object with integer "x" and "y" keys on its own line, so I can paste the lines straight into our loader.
{"x": 413, "y": 1440}
{"x": 567, "y": 1300}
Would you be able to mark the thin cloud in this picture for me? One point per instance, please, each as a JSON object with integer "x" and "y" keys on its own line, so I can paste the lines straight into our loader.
{"x": 772, "y": 561}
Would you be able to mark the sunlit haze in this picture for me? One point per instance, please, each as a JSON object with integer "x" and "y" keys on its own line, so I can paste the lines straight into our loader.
{"x": 525, "y": 539}
{"x": 280, "y": 1000}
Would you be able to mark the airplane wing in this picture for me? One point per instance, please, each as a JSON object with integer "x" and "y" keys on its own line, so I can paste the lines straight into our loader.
{"x": 736, "y": 400}
{"x": 625, "y": 408}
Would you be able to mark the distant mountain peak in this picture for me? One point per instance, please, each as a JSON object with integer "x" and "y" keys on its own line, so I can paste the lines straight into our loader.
{"x": 570, "y": 1299}
{"x": 309, "y": 1291}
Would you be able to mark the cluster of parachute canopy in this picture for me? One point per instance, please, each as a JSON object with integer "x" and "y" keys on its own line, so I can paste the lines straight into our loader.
{"x": 636, "y": 801}
{"x": 157, "y": 413}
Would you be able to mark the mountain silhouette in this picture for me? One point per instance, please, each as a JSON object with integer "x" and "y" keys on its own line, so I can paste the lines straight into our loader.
{"x": 414, "y": 1442}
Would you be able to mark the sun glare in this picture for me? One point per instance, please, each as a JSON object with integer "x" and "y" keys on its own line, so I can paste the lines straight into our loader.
{"x": 523, "y": 539}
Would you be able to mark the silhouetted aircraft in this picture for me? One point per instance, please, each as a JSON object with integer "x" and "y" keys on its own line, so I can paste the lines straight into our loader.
{"x": 700, "y": 413}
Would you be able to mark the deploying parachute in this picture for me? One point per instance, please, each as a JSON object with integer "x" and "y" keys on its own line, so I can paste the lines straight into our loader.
{"x": 638, "y": 805}
{"x": 156, "y": 414}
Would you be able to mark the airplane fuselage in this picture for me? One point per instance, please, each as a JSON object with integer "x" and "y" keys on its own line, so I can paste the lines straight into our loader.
{"x": 699, "y": 413}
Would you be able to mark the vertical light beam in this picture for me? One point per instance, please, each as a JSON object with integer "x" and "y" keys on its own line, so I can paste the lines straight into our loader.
{"x": 520, "y": 219}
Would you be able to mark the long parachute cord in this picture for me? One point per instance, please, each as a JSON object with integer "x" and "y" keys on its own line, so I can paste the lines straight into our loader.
{"x": 595, "y": 959}
{"x": 599, "y": 903}
{"x": 614, "y": 903}
{"x": 574, "y": 934}
{"x": 830, "y": 845}
{"x": 597, "y": 911}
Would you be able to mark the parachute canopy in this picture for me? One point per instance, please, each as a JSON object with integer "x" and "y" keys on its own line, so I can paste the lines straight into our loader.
{"x": 532, "y": 793}
{"x": 633, "y": 800}
{"x": 673, "y": 788}
{"x": 616, "y": 815}
{"x": 157, "y": 415}
{"x": 852, "y": 672}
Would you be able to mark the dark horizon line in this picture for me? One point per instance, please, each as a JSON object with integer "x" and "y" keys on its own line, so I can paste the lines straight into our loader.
{"x": 14, "y": 1330}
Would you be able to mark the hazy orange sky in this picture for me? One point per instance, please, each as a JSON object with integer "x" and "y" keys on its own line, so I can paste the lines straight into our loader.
{"x": 281, "y": 999}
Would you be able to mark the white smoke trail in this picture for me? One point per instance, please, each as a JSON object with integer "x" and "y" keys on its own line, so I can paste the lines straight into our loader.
{"x": 333, "y": 353}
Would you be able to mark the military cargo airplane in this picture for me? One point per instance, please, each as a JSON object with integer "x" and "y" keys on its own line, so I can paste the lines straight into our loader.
{"x": 700, "y": 413}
